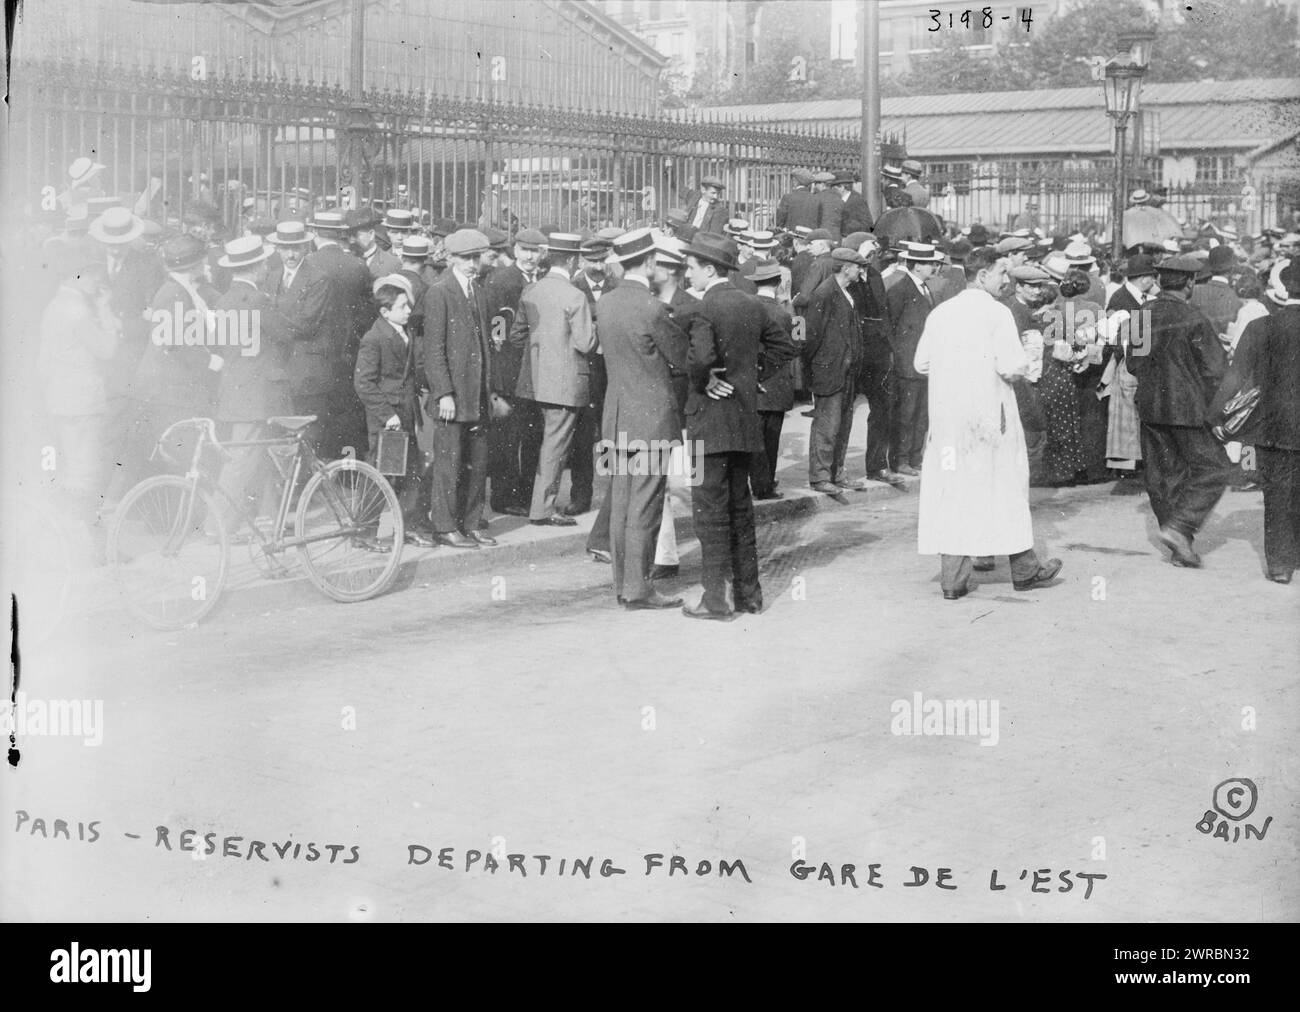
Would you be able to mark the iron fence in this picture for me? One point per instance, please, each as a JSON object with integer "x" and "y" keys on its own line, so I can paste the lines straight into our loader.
{"x": 168, "y": 140}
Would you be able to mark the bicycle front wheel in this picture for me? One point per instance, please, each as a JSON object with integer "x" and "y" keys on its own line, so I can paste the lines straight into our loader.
{"x": 350, "y": 514}
{"x": 170, "y": 572}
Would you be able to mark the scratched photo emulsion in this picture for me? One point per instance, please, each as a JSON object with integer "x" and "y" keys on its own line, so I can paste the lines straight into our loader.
{"x": 650, "y": 461}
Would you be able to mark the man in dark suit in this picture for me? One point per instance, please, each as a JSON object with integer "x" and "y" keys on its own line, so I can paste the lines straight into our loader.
{"x": 909, "y": 303}
{"x": 728, "y": 332}
{"x": 387, "y": 379}
{"x": 775, "y": 381}
{"x": 1027, "y": 288}
{"x": 641, "y": 417}
{"x": 875, "y": 379}
{"x": 328, "y": 305}
{"x": 1178, "y": 376}
{"x": 253, "y": 381}
{"x": 830, "y": 206}
{"x": 1215, "y": 297}
{"x": 594, "y": 281}
{"x": 553, "y": 328}
{"x": 709, "y": 213}
{"x": 456, "y": 363}
{"x": 799, "y": 206}
{"x": 831, "y": 351}
{"x": 515, "y": 440}
{"x": 856, "y": 216}
{"x": 818, "y": 268}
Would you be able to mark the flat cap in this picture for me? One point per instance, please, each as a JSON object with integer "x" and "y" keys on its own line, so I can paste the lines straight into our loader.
{"x": 530, "y": 238}
{"x": 466, "y": 242}
{"x": 1181, "y": 264}
{"x": 1029, "y": 274}
{"x": 824, "y": 177}
{"x": 1013, "y": 244}
{"x": 713, "y": 181}
{"x": 844, "y": 255}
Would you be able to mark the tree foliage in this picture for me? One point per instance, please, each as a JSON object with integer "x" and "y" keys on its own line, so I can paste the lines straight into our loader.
{"x": 1209, "y": 40}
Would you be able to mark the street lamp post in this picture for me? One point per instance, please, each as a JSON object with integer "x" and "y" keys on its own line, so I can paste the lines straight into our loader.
{"x": 1123, "y": 93}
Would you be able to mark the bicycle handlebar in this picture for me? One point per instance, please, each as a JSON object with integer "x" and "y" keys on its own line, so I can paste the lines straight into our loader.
{"x": 206, "y": 426}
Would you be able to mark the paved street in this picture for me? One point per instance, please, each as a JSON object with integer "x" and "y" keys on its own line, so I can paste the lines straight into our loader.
{"x": 522, "y": 713}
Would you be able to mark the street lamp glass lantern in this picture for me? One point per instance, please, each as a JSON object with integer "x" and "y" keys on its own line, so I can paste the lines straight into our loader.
{"x": 1123, "y": 81}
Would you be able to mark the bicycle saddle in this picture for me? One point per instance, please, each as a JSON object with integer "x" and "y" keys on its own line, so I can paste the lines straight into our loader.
{"x": 291, "y": 423}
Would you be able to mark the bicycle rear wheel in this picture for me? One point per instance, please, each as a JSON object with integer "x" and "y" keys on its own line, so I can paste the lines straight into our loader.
{"x": 353, "y": 512}
{"x": 170, "y": 574}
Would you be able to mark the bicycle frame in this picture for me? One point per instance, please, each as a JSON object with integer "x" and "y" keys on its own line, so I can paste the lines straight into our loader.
{"x": 303, "y": 455}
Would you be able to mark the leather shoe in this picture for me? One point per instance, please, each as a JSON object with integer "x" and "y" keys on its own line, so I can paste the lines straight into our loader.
{"x": 984, "y": 567}
{"x": 773, "y": 494}
{"x": 856, "y": 485}
{"x": 750, "y": 607}
{"x": 908, "y": 470}
{"x": 1280, "y": 577}
{"x": 482, "y": 539}
{"x": 888, "y": 477}
{"x": 953, "y": 595}
{"x": 664, "y": 572}
{"x": 699, "y": 611}
{"x": 455, "y": 539}
{"x": 826, "y": 487}
{"x": 1045, "y": 572}
{"x": 655, "y": 600}
{"x": 598, "y": 555}
{"x": 513, "y": 511}
{"x": 576, "y": 509}
{"x": 555, "y": 520}
{"x": 421, "y": 539}
{"x": 1181, "y": 546}
{"x": 371, "y": 545}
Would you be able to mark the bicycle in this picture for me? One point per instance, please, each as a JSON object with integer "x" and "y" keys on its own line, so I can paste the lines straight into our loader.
{"x": 169, "y": 547}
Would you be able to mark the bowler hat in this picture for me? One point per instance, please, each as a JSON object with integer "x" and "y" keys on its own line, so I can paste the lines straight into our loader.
{"x": 1140, "y": 266}
{"x": 116, "y": 226}
{"x": 183, "y": 251}
{"x": 960, "y": 249}
{"x": 245, "y": 251}
{"x": 564, "y": 242}
{"x": 361, "y": 218}
{"x": 1222, "y": 260}
{"x": 978, "y": 235}
{"x": 289, "y": 233}
{"x": 718, "y": 250}
{"x": 466, "y": 242}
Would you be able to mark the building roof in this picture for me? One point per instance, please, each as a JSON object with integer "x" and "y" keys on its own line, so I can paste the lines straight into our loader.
{"x": 1195, "y": 114}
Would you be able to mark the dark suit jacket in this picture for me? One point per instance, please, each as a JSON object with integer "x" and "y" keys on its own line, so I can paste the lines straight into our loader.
{"x": 817, "y": 271}
{"x": 716, "y": 216}
{"x": 908, "y": 310}
{"x": 729, "y": 330}
{"x": 328, "y": 308}
{"x": 1183, "y": 365}
{"x": 642, "y": 346}
{"x": 1218, "y": 302}
{"x": 775, "y": 376}
{"x": 1122, "y": 299}
{"x": 680, "y": 308}
{"x": 950, "y": 280}
{"x": 252, "y": 388}
{"x": 796, "y": 208}
{"x": 1268, "y": 355}
{"x": 857, "y": 213}
{"x": 830, "y": 213}
{"x": 834, "y": 339}
{"x": 385, "y": 377}
{"x": 877, "y": 331}
{"x": 504, "y": 287}
{"x": 456, "y": 347}
{"x": 176, "y": 375}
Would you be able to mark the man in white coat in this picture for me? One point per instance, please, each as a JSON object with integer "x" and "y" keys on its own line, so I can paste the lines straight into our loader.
{"x": 975, "y": 471}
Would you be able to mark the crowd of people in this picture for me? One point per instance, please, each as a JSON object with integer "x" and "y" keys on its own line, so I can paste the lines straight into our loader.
{"x": 509, "y": 358}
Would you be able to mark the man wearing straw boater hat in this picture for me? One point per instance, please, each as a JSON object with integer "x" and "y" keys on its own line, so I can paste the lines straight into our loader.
{"x": 728, "y": 331}
{"x": 910, "y": 302}
{"x": 554, "y": 327}
{"x": 642, "y": 346}
{"x": 253, "y": 382}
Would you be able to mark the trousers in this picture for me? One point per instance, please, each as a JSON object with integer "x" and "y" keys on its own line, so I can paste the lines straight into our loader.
{"x": 459, "y": 475}
{"x": 1187, "y": 471}
{"x": 909, "y": 422}
{"x": 724, "y": 522}
{"x": 558, "y": 425}
{"x": 828, "y": 438}
{"x": 1280, "y": 471}
{"x": 762, "y": 466}
{"x": 876, "y": 383}
{"x": 955, "y": 570}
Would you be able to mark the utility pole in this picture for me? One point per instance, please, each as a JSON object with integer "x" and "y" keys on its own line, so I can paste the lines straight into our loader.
{"x": 358, "y": 118}
{"x": 869, "y": 61}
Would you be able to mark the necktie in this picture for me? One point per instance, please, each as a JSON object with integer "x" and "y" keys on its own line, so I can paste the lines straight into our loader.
{"x": 925, "y": 289}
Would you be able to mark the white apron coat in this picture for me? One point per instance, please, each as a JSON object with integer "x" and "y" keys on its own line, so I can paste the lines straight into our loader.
{"x": 975, "y": 473}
